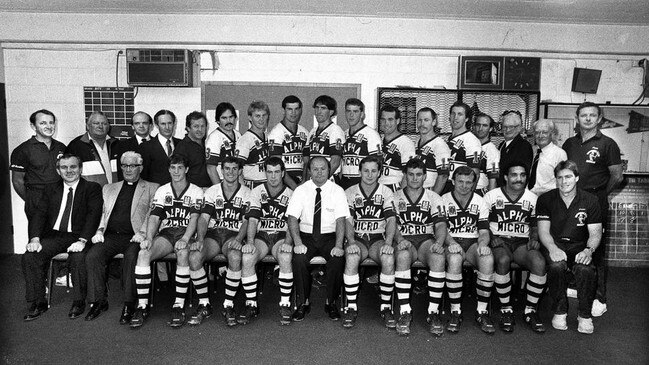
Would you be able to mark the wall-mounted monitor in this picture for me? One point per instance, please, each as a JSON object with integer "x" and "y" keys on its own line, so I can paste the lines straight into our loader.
{"x": 585, "y": 80}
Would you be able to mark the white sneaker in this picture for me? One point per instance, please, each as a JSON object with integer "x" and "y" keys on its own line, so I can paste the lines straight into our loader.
{"x": 585, "y": 325}
{"x": 559, "y": 322}
{"x": 599, "y": 308}
{"x": 572, "y": 293}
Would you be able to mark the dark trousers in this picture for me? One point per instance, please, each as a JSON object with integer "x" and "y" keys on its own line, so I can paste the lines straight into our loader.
{"x": 97, "y": 261}
{"x": 335, "y": 267}
{"x": 599, "y": 256}
{"x": 33, "y": 199}
{"x": 35, "y": 265}
{"x": 585, "y": 278}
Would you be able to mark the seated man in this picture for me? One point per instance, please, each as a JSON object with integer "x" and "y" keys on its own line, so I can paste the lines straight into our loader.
{"x": 468, "y": 239}
{"x": 422, "y": 232}
{"x": 512, "y": 220}
{"x": 374, "y": 225}
{"x": 65, "y": 220}
{"x": 267, "y": 231}
{"x": 570, "y": 229}
{"x": 222, "y": 226}
{"x": 122, "y": 229}
{"x": 171, "y": 226}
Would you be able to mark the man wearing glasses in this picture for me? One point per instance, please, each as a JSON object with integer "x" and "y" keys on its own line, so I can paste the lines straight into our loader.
{"x": 514, "y": 147}
{"x": 121, "y": 230}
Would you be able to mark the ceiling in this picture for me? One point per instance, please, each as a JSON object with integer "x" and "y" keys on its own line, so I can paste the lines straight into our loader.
{"x": 622, "y": 12}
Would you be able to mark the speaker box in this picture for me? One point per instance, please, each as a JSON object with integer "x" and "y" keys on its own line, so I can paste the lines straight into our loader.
{"x": 585, "y": 80}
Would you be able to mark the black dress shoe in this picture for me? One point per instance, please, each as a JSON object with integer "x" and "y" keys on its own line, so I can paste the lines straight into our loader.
{"x": 127, "y": 314}
{"x": 35, "y": 311}
{"x": 300, "y": 312}
{"x": 77, "y": 309}
{"x": 332, "y": 311}
{"x": 96, "y": 309}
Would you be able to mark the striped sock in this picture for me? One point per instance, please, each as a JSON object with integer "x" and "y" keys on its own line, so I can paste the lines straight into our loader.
{"x": 249, "y": 284}
{"x": 483, "y": 285}
{"x": 503, "y": 288}
{"x": 285, "y": 287}
{"x": 435, "y": 290}
{"x": 402, "y": 285}
{"x": 454, "y": 289}
{"x": 182, "y": 285}
{"x": 352, "y": 282}
{"x": 534, "y": 289}
{"x": 143, "y": 285}
{"x": 199, "y": 278}
{"x": 386, "y": 287}
{"x": 232, "y": 279}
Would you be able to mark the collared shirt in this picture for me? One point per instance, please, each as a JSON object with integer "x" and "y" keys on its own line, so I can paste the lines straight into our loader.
{"x": 518, "y": 149}
{"x": 37, "y": 161}
{"x": 163, "y": 143}
{"x": 549, "y": 158}
{"x": 142, "y": 139}
{"x": 302, "y": 205}
{"x": 593, "y": 158}
{"x": 64, "y": 198}
{"x": 105, "y": 159}
{"x": 569, "y": 224}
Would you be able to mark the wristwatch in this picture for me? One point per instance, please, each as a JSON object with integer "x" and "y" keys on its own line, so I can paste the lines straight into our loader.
{"x": 592, "y": 250}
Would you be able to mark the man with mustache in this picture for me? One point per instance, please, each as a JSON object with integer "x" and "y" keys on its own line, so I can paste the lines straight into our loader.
{"x": 221, "y": 143}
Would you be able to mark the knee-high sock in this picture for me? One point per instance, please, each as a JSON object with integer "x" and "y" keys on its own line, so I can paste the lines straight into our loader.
{"x": 285, "y": 286}
{"x": 402, "y": 285}
{"x": 199, "y": 278}
{"x": 182, "y": 285}
{"x": 454, "y": 289}
{"x": 352, "y": 282}
{"x": 435, "y": 290}
{"x": 503, "y": 288}
{"x": 249, "y": 284}
{"x": 232, "y": 280}
{"x": 534, "y": 289}
{"x": 483, "y": 286}
{"x": 143, "y": 285}
{"x": 386, "y": 286}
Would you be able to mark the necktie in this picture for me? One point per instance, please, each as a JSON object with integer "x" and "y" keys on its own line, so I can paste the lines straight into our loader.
{"x": 317, "y": 212}
{"x": 63, "y": 227}
{"x": 169, "y": 150}
{"x": 535, "y": 164}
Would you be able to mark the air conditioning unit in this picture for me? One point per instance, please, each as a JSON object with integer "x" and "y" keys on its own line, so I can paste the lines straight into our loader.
{"x": 159, "y": 67}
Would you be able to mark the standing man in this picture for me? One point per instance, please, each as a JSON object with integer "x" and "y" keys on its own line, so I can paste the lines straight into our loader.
{"x": 141, "y": 123}
{"x": 600, "y": 167}
{"x": 432, "y": 150}
{"x": 121, "y": 230}
{"x": 96, "y": 150}
{"x": 514, "y": 147}
{"x": 33, "y": 162}
{"x": 65, "y": 220}
{"x": 398, "y": 148}
{"x": 156, "y": 152}
{"x": 465, "y": 147}
{"x": 372, "y": 232}
{"x": 252, "y": 148}
{"x": 326, "y": 138}
{"x": 171, "y": 226}
{"x": 192, "y": 148}
{"x": 422, "y": 233}
{"x": 548, "y": 155}
{"x": 287, "y": 140}
{"x": 361, "y": 141}
{"x": 221, "y": 226}
{"x": 221, "y": 143}
{"x": 316, "y": 222}
{"x": 570, "y": 230}
{"x": 267, "y": 228}
{"x": 490, "y": 159}
{"x": 468, "y": 240}
{"x": 512, "y": 220}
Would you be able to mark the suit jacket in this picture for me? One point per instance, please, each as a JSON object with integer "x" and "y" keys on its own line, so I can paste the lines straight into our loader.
{"x": 518, "y": 150}
{"x": 119, "y": 148}
{"x": 156, "y": 161}
{"x": 85, "y": 215}
{"x": 142, "y": 198}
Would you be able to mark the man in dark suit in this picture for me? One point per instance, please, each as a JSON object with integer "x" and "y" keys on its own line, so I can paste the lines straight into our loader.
{"x": 141, "y": 123}
{"x": 514, "y": 147}
{"x": 122, "y": 228}
{"x": 155, "y": 153}
{"x": 66, "y": 221}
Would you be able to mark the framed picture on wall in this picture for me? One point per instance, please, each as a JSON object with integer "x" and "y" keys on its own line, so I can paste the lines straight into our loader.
{"x": 481, "y": 72}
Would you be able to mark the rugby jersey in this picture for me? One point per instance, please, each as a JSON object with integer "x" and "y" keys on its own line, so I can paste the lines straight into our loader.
{"x": 269, "y": 210}
{"x": 511, "y": 217}
{"x": 282, "y": 142}
{"x": 176, "y": 210}
{"x": 396, "y": 153}
{"x": 364, "y": 142}
{"x": 418, "y": 216}
{"x": 226, "y": 213}
{"x": 370, "y": 211}
{"x": 435, "y": 154}
{"x": 465, "y": 222}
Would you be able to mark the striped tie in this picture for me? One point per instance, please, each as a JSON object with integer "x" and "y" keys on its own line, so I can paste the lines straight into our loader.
{"x": 317, "y": 212}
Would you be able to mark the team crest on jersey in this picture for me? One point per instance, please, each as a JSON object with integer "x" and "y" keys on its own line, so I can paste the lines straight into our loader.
{"x": 257, "y": 144}
{"x": 393, "y": 147}
{"x": 473, "y": 209}
{"x": 425, "y": 150}
{"x": 452, "y": 212}
{"x": 283, "y": 200}
{"x": 169, "y": 200}
{"x": 592, "y": 155}
{"x": 425, "y": 205}
{"x": 187, "y": 201}
{"x": 226, "y": 144}
{"x": 526, "y": 205}
{"x": 287, "y": 138}
{"x": 207, "y": 153}
{"x": 264, "y": 197}
{"x": 401, "y": 206}
{"x": 581, "y": 218}
{"x": 198, "y": 204}
{"x": 339, "y": 143}
{"x": 358, "y": 201}
{"x": 500, "y": 204}
{"x": 359, "y": 138}
{"x": 458, "y": 143}
{"x": 378, "y": 199}
{"x": 236, "y": 153}
{"x": 218, "y": 203}
{"x": 237, "y": 202}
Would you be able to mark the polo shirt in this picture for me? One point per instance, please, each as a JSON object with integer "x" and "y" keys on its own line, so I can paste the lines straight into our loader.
{"x": 283, "y": 142}
{"x": 593, "y": 157}
{"x": 396, "y": 153}
{"x": 333, "y": 206}
{"x": 436, "y": 155}
{"x": 549, "y": 158}
{"x": 195, "y": 154}
{"x": 37, "y": 161}
{"x": 569, "y": 223}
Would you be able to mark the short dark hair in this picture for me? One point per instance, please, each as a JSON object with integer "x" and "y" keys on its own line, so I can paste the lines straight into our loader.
{"x": 318, "y": 158}
{"x": 66, "y": 156}
{"x": 465, "y": 171}
{"x": 232, "y": 159}
{"x": 164, "y": 112}
{"x": 467, "y": 112}
{"x": 291, "y": 99}
{"x": 176, "y": 159}
{"x": 514, "y": 163}
{"x": 566, "y": 165}
{"x": 32, "y": 118}
{"x": 589, "y": 104}
{"x": 195, "y": 115}
{"x": 327, "y": 101}
{"x": 148, "y": 117}
{"x": 427, "y": 109}
{"x": 355, "y": 102}
{"x": 275, "y": 161}
{"x": 485, "y": 115}
{"x": 414, "y": 163}
{"x": 222, "y": 107}
{"x": 389, "y": 108}
{"x": 371, "y": 158}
